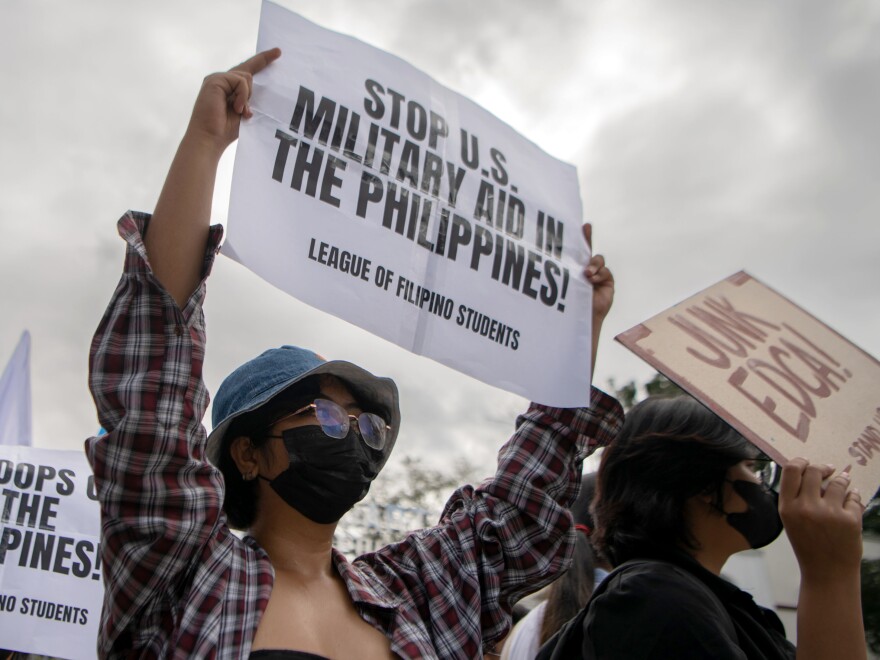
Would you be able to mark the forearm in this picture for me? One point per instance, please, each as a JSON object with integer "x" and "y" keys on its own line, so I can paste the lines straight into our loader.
{"x": 595, "y": 330}
{"x": 829, "y": 619}
{"x": 178, "y": 230}
{"x": 823, "y": 521}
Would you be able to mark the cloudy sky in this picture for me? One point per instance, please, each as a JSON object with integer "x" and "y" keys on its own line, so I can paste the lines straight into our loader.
{"x": 708, "y": 137}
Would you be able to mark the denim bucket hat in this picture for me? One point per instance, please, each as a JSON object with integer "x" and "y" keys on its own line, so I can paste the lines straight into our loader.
{"x": 258, "y": 381}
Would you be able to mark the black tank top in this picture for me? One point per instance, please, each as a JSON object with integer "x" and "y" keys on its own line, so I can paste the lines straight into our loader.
{"x": 281, "y": 654}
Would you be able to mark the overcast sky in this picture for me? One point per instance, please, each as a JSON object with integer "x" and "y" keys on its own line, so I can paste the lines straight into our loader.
{"x": 709, "y": 137}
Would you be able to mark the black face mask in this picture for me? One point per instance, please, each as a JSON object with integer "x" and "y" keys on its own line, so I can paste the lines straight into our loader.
{"x": 760, "y": 524}
{"x": 326, "y": 476}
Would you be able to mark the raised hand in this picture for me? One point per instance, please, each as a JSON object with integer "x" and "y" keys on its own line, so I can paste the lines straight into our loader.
{"x": 224, "y": 99}
{"x": 178, "y": 231}
{"x": 824, "y": 526}
{"x": 600, "y": 277}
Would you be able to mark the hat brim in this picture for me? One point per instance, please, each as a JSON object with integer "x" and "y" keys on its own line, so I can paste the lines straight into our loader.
{"x": 367, "y": 388}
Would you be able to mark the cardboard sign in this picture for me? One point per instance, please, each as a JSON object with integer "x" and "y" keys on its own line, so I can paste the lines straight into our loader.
{"x": 366, "y": 189}
{"x": 782, "y": 378}
{"x": 50, "y": 573}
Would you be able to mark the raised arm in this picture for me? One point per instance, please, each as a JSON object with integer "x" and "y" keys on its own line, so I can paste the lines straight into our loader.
{"x": 160, "y": 499}
{"x": 512, "y": 534}
{"x": 178, "y": 230}
{"x": 825, "y": 531}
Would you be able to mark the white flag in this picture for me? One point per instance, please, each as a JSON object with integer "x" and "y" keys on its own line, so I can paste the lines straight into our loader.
{"x": 15, "y": 396}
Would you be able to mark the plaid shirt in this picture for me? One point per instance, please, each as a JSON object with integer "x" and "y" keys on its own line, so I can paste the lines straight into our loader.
{"x": 180, "y": 584}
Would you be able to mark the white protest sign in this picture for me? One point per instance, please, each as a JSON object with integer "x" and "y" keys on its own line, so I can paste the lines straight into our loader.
{"x": 785, "y": 380}
{"x": 368, "y": 190}
{"x": 50, "y": 574}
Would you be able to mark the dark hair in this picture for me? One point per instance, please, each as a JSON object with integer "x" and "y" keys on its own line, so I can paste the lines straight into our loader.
{"x": 571, "y": 590}
{"x": 518, "y": 613}
{"x": 241, "y": 497}
{"x": 668, "y": 451}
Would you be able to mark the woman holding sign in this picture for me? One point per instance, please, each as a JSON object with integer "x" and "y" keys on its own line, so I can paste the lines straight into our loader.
{"x": 296, "y": 442}
{"x": 678, "y": 493}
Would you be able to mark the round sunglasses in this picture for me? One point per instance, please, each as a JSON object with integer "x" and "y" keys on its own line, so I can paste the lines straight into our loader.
{"x": 768, "y": 471}
{"x": 335, "y": 421}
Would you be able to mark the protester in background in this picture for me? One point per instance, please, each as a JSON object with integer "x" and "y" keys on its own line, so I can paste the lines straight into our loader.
{"x": 569, "y": 592}
{"x": 678, "y": 493}
{"x": 517, "y": 614}
{"x": 298, "y": 440}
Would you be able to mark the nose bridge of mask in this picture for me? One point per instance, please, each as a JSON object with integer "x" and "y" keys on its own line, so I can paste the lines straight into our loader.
{"x": 311, "y": 446}
{"x": 306, "y": 443}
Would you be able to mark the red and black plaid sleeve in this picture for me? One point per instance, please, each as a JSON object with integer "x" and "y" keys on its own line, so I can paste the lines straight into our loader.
{"x": 160, "y": 501}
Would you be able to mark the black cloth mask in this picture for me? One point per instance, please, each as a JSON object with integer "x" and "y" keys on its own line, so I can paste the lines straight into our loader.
{"x": 760, "y": 524}
{"x": 326, "y": 476}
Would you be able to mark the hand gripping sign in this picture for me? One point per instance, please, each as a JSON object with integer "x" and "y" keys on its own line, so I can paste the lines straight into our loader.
{"x": 785, "y": 380}
{"x": 366, "y": 189}
{"x": 50, "y": 570}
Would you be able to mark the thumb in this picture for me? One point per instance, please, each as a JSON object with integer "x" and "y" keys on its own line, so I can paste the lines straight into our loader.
{"x": 587, "y": 229}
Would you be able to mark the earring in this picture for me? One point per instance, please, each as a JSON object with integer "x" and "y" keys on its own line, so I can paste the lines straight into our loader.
{"x": 248, "y": 476}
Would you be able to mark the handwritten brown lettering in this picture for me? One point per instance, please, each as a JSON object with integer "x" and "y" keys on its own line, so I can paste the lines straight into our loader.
{"x": 723, "y": 329}
{"x": 733, "y": 323}
{"x": 866, "y": 445}
{"x": 784, "y": 382}
{"x": 720, "y": 360}
{"x": 774, "y": 366}
{"x": 768, "y": 406}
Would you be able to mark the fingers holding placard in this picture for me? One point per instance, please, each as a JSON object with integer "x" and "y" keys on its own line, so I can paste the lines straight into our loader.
{"x": 223, "y": 101}
{"x": 823, "y": 523}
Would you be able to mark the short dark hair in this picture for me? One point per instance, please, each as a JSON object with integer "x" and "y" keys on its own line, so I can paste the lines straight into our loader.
{"x": 240, "y": 498}
{"x": 668, "y": 451}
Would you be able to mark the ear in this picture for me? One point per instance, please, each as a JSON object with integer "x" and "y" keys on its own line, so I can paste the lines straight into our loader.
{"x": 700, "y": 504}
{"x": 709, "y": 500}
{"x": 245, "y": 457}
{"x": 707, "y": 496}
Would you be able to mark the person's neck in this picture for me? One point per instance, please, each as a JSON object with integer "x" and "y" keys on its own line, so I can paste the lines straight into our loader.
{"x": 712, "y": 534}
{"x": 711, "y": 561}
{"x": 295, "y": 544}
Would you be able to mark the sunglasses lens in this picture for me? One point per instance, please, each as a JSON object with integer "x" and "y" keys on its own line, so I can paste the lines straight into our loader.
{"x": 769, "y": 473}
{"x": 772, "y": 475}
{"x": 372, "y": 428}
{"x": 335, "y": 422}
{"x": 332, "y": 418}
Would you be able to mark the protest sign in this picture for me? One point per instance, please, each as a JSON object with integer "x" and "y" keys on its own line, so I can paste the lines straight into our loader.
{"x": 368, "y": 190}
{"x": 50, "y": 570}
{"x": 782, "y": 378}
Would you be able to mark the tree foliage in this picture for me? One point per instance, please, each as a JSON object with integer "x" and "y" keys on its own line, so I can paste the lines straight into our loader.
{"x": 871, "y": 580}
{"x": 413, "y": 484}
{"x": 871, "y": 602}
{"x": 871, "y": 521}
{"x": 659, "y": 385}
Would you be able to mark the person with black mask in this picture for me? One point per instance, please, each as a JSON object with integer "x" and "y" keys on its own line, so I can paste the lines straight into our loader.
{"x": 296, "y": 442}
{"x": 680, "y": 491}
